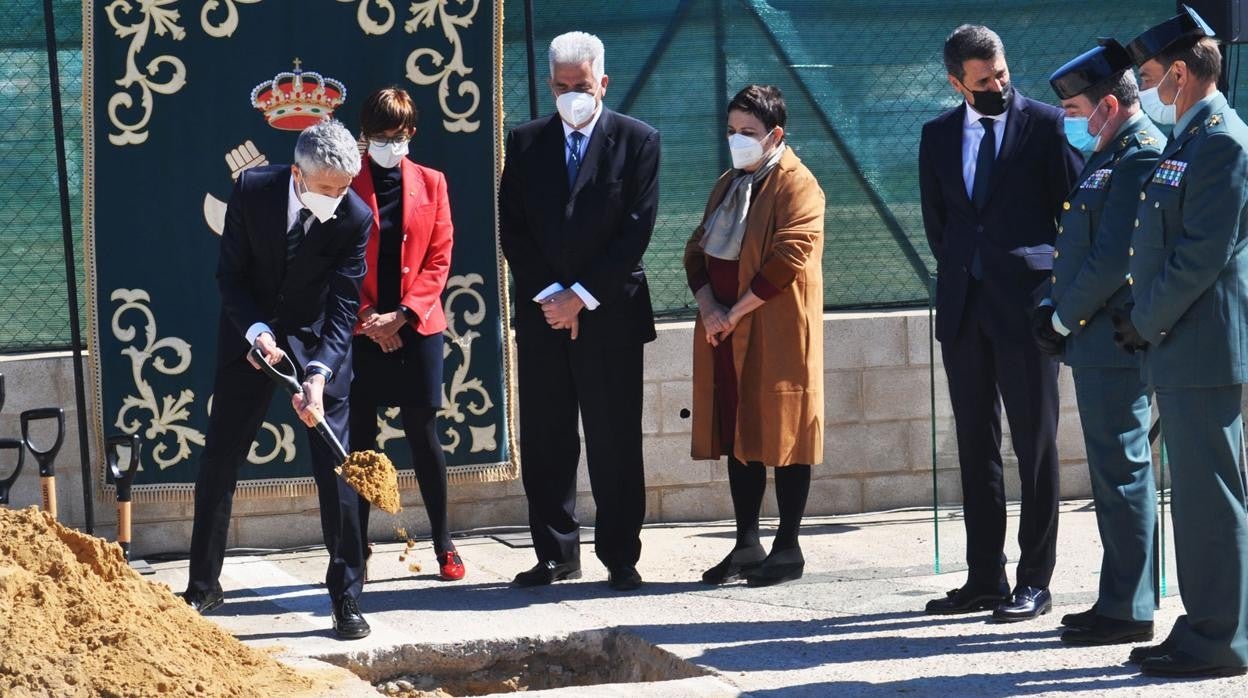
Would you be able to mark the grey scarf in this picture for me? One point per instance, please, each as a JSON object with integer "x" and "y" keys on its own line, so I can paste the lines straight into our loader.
{"x": 725, "y": 227}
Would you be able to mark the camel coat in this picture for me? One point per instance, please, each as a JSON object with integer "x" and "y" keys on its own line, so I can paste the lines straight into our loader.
{"x": 778, "y": 348}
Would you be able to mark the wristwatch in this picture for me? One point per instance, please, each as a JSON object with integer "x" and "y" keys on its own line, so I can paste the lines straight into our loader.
{"x": 408, "y": 313}
{"x": 316, "y": 371}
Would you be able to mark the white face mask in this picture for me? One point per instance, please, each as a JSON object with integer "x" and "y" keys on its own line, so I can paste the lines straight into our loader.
{"x": 320, "y": 205}
{"x": 387, "y": 154}
{"x": 746, "y": 152}
{"x": 576, "y": 108}
{"x": 1161, "y": 113}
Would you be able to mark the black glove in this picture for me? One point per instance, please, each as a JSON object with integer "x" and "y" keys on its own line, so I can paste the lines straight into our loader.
{"x": 1126, "y": 334}
{"x": 1047, "y": 338}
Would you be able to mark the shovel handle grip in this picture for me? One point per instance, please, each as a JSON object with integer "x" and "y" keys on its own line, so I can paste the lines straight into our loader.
{"x": 45, "y": 457}
{"x": 288, "y": 379}
{"x": 6, "y": 483}
{"x": 122, "y": 478}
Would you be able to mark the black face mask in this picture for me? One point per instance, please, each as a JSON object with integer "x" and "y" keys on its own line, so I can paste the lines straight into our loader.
{"x": 991, "y": 103}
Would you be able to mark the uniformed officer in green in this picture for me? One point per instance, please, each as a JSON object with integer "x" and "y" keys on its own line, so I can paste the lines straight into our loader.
{"x": 1189, "y": 273}
{"x": 1101, "y": 99}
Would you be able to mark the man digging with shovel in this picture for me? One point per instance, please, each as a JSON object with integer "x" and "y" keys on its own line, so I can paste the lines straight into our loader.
{"x": 292, "y": 257}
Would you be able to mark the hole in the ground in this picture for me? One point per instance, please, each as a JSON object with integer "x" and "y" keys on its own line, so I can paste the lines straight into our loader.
{"x": 505, "y": 666}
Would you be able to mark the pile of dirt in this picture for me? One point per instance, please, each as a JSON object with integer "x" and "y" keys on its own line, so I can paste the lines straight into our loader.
{"x": 76, "y": 620}
{"x": 373, "y": 475}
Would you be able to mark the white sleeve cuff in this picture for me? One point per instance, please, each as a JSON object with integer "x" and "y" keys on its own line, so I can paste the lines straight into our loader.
{"x": 327, "y": 369}
{"x": 1059, "y": 327}
{"x": 548, "y": 291}
{"x": 255, "y": 331}
{"x": 586, "y": 297}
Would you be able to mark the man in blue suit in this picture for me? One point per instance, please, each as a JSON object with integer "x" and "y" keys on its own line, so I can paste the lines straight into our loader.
{"x": 1101, "y": 99}
{"x": 1189, "y": 275}
{"x": 292, "y": 258}
{"x": 993, "y": 175}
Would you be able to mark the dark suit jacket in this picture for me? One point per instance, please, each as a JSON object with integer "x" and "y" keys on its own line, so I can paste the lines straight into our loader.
{"x": 594, "y": 234}
{"x": 312, "y": 305}
{"x": 1035, "y": 170}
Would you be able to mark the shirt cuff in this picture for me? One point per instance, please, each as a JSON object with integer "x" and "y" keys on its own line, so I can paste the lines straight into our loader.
{"x": 586, "y": 297}
{"x": 1059, "y": 327}
{"x": 256, "y": 330}
{"x": 329, "y": 373}
{"x": 548, "y": 291}
{"x": 763, "y": 288}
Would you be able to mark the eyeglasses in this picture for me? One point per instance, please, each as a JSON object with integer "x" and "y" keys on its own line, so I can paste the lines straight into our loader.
{"x": 382, "y": 140}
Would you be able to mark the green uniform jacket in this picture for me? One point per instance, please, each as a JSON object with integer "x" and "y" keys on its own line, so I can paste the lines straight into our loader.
{"x": 1090, "y": 260}
{"x": 1189, "y": 263}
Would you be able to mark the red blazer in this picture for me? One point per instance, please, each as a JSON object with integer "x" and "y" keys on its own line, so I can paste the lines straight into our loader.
{"x": 426, "y": 251}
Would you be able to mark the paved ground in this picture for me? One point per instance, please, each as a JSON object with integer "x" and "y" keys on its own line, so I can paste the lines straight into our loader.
{"x": 851, "y": 626}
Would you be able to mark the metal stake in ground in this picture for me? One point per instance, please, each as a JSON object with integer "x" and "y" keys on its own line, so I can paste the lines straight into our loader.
{"x": 6, "y": 483}
{"x": 46, "y": 458}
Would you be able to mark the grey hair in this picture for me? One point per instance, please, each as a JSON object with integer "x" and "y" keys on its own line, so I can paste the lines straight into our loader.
{"x": 327, "y": 145}
{"x": 970, "y": 42}
{"x": 575, "y": 48}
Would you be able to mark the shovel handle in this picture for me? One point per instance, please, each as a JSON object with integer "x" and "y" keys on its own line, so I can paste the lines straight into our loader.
{"x": 1, "y": 391}
{"x": 123, "y": 527}
{"x": 47, "y": 487}
{"x": 122, "y": 478}
{"x": 46, "y": 457}
{"x": 6, "y": 484}
{"x": 289, "y": 381}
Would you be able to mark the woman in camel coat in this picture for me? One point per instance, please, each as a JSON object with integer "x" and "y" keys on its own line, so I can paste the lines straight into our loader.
{"x": 754, "y": 266}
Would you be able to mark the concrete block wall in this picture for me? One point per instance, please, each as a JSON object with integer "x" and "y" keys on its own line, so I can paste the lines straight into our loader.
{"x": 878, "y": 446}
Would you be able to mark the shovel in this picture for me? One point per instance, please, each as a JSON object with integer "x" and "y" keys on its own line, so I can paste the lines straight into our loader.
{"x": 1, "y": 391}
{"x": 6, "y": 484}
{"x": 45, "y": 458}
{"x": 285, "y": 377}
{"x": 122, "y": 480}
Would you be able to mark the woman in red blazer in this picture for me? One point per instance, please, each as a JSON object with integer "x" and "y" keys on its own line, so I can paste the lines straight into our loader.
{"x": 398, "y": 340}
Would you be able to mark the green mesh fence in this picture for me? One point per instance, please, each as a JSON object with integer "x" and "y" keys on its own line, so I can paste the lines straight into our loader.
{"x": 859, "y": 79}
{"x": 34, "y": 310}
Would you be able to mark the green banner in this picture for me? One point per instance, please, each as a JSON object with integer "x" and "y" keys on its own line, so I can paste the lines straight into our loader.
{"x": 182, "y": 96}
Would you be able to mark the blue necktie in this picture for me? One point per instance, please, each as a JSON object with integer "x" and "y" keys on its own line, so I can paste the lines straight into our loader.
{"x": 980, "y": 187}
{"x": 574, "y": 159}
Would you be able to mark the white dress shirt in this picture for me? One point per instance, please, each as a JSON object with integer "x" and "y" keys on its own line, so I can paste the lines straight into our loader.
{"x": 587, "y": 130}
{"x": 972, "y": 135}
{"x": 293, "y": 206}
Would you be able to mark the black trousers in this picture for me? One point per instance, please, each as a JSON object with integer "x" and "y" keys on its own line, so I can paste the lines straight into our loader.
{"x": 601, "y": 381}
{"x": 985, "y": 369}
{"x": 241, "y": 397}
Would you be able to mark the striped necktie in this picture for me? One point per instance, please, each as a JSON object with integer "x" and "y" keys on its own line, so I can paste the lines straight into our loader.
{"x": 294, "y": 236}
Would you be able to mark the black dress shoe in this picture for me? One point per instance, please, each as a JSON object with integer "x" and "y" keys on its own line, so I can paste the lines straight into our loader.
{"x": 349, "y": 623}
{"x": 1139, "y": 654}
{"x": 203, "y": 601}
{"x": 780, "y": 566}
{"x": 738, "y": 562}
{"x": 1028, "y": 603}
{"x": 1180, "y": 665}
{"x": 1110, "y": 631}
{"x": 547, "y": 572}
{"x": 1083, "y": 619}
{"x": 624, "y": 578}
{"x": 968, "y": 599}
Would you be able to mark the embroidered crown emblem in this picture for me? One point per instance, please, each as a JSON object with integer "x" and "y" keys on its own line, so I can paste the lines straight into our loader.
{"x": 293, "y": 101}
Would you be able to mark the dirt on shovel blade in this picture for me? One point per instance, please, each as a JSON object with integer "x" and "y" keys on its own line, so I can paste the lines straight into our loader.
{"x": 372, "y": 475}
{"x": 76, "y": 620}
